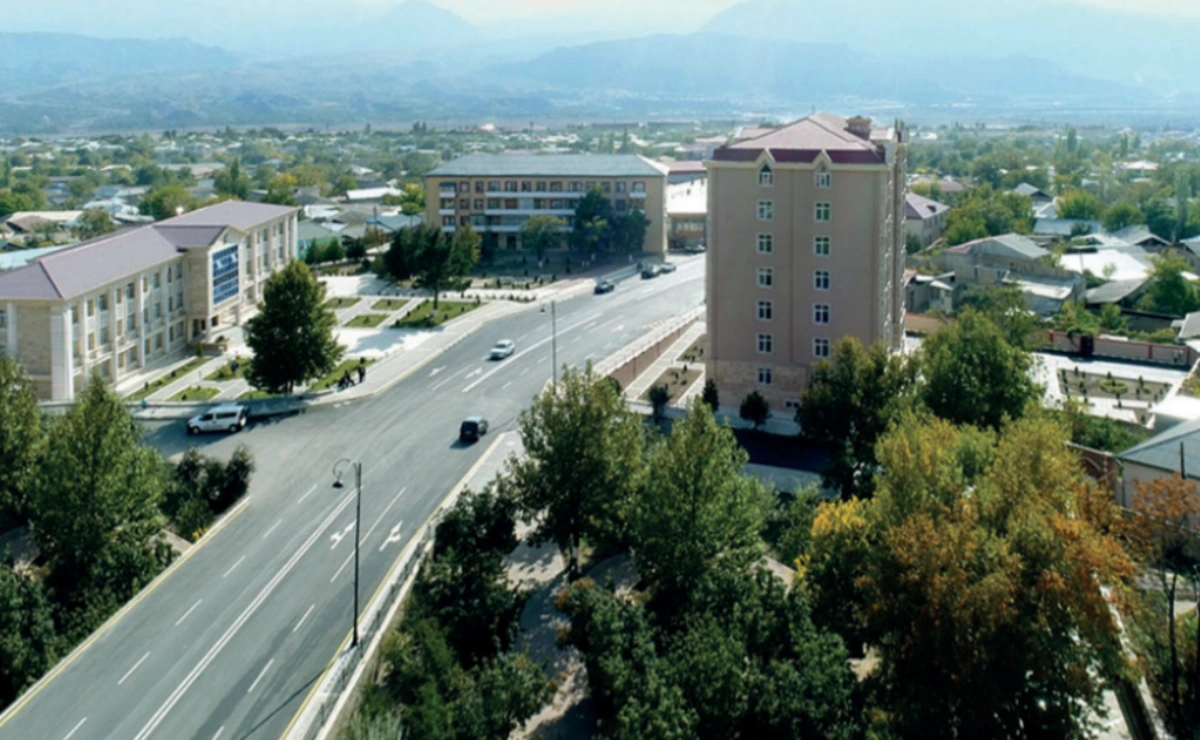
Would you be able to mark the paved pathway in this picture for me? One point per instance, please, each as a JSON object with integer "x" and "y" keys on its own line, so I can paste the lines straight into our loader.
{"x": 666, "y": 361}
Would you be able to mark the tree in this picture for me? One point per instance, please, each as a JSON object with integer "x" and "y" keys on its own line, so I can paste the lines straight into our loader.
{"x": 628, "y": 233}
{"x": 541, "y": 233}
{"x": 1168, "y": 291}
{"x": 167, "y": 201}
{"x": 710, "y": 395}
{"x": 1183, "y": 197}
{"x": 412, "y": 199}
{"x": 434, "y": 258}
{"x": 292, "y": 335}
{"x": 850, "y": 402}
{"x": 344, "y": 184}
{"x": 1079, "y": 205}
{"x": 232, "y": 181}
{"x": 977, "y": 570}
{"x": 1121, "y": 215}
{"x": 93, "y": 223}
{"x": 590, "y": 230}
{"x": 1004, "y": 304}
{"x": 755, "y": 409}
{"x": 582, "y": 465}
{"x": 973, "y": 375}
{"x": 198, "y": 489}
{"x": 29, "y": 645}
{"x": 984, "y": 212}
{"x": 659, "y": 397}
{"x": 95, "y": 462}
{"x": 20, "y": 441}
{"x": 699, "y": 508}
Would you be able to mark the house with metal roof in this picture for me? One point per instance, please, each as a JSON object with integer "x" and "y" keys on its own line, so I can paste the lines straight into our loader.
{"x": 1174, "y": 451}
{"x": 497, "y": 193}
{"x": 1036, "y": 194}
{"x": 127, "y": 301}
{"x": 924, "y": 218}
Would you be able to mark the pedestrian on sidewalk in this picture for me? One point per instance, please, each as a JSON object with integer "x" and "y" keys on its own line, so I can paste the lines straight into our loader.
{"x": 362, "y": 369}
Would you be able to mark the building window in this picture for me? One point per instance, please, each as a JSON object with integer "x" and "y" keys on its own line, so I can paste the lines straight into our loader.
{"x": 156, "y": 279}
{"x": 766, "y": 243}
{"x": 766, "y": 310}
{"x": 158, "y": 343}
{"x": 178, "y": 272}
{"x": 464, "y": 203}
{"x": 526, "y": 186}
{"x": 179, "y": 301}
{"x": 821, "y": 279}
{"x": 766, "y": 344}
{"x": 493, "y": 187}
{"x": 225, "y": 274}
{"x": 447, "y": 220}
{"x": 824, "y": 177}
{"x": 622, "y": 205}
{"x": 607, "y": 187}
{"x": 821, "y": 246}
{"x": 131, "y": 356}
{"x": 464, "y": 220}
{"x": 91, "y": 341}
{"x": 766, "y": 178}
{"x": 158, "y": 310}
{"x": 556, "y": 187}
{"x": 792, "y": 405}
{"x": 621, "y": 186}
{"x": 766, "y": 210}
{"x": 74, "y": 314}
{"x": 102, "y": 299}
{"x": 510, "y": 186}
{"x": 821, "y": 347}
{"x": 129, "y": 291}
{"x": 493, "y": 203}
{"x": 170, "y": 303}
{"x": 823, "y": 212}
{"x": 91, "y": 308}
{"x": 479, "y": 204}
{"x": 3, "y": 319}
{"x": 464, "y": 186}
{"x": 104, "y": 336}
{"x": 821, "y": 313}
{"x": 131, "y": 322}
{"x": 766, "y": 277}
{"x": 639, "y": 187}
{"x": 764, "y": 376}
{"x": 145, "y": 284}
{"x": 540, "y": 186}
{"x": 170, "y": 274}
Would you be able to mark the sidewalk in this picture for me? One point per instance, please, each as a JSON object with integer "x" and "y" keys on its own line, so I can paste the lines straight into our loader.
{"x": 668, "y": 360}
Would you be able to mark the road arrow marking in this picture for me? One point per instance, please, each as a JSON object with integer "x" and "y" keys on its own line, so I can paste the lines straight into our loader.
{"x": 337, "y": 537}
{"x": 436, "y": 370}
{"x": 393, "y": 536}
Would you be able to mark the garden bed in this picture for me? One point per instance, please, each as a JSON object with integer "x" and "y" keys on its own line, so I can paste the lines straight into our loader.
{"x": 677, "y": 382}
{"x": 196, "y": 393}
{"x": 422, "y": 316}
{"x": 366, "y": 321}
{"x": 1093, "y": 386}
{"x": 330, "y": 380}
{"x": 226, "y": 371}
{"x": 340, "y": 303}
{"x": 257, "y": 395}
{"x": 150, "y": 388}
{"x": 390, "y": 304}
{"x": 696, "y": 352}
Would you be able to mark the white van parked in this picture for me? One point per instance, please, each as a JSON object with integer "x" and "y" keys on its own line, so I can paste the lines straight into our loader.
{"x": 227, "y": 418}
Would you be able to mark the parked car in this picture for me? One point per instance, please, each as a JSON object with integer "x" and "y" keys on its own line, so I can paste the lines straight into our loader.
{"x": 668, "y": 267}
{"x": 605, "y": 286}
{"x": 694, "y": 249}
{"x": 651, "y": 271}
{"x": 227, "y": 418}
{"x": 503, "y": 348}
{"x": 472, "y": 429}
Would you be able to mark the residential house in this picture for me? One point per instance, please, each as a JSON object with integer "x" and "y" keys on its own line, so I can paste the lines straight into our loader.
{"x": 687, "y": 214}
{"x": 924, "y": 218}
{"x": 1175, "y": 451}
{"x": 806, "y": 246}
{"x": 127, "y": 301}
{"x": 926, "y": 293}
{"x": 1037, "y": 195}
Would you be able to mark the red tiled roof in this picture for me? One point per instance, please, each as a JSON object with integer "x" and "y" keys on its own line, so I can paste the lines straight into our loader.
{"x": 803, "y": 141}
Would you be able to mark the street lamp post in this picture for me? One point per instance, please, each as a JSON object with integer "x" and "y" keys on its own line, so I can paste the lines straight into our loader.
{"x": 554, "y": 342}
{"x": 338, "y": 468}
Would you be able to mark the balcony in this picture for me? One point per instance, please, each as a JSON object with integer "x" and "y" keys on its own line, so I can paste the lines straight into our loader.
{"x": 562, "y": 212}
{"x": 448, "y": 193}
{"x": 445, "y": 211}
{"x": 641, "y": 194}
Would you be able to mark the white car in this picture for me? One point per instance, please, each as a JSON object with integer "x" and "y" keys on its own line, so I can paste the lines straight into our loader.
{"x": 227, "y": 418}
{"x": 503, "y": 348}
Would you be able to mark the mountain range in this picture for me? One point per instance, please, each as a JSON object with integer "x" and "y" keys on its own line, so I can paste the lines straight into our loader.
{"x": 770, "y": 57}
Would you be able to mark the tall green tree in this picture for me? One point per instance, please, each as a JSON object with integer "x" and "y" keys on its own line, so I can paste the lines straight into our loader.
{"x": 699, "y": 510}
{"x": 973, "y": 375}
{"x": 434, "y": 259}
{"x": 412, "y": 200}
{"x": 292, "y": 335}
{"x": 20, "y": 440}
{"x": 1080, "y": 205}
{"x": 93, "y": 223}
{"x": 591, "y": 227}
{"x": 167, "y": 201}
{"x": 1168, "y": 290}
{"x": 1121, "y": 215}
{"x": 629, "y": 232}
{"x": 29, "y": 644}
{"x": 850, "y": 402}
{"x": 1005, "y": 305}
{"x": 95, "y": 507}
{"x": 541, "y": 233}
{"x": 1183, "y": 199}
{"x": 232, "y": 181}
{"x": 583, "y": 463}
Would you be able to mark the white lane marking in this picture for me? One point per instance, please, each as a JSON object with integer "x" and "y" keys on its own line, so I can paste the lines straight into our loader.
{"x": 261, "y": 673}
{"x": 75, "y": 729}
{"x": 272, "y": 529}
{"x": 590, "y": 325}
{"x": 188, "y": 612}
{"x": 473, "y": 373}
{"x": 436, "y": 370}
{"x": 342, "y": 566}
{"x": 547, "y": 357}
{"x": 219, "y": 731}
{"x": 297, "y": 627}
{"x": 244, "y": 617}
{"x": 129, "y": 672}
{"x": 524, "y": 372}
{"x": 529, "y": 349}
{"x": 337, "y": 537}
{"x": 393, "y": 536}
{"x": 619, "y": 327}
{"x": 506, "y": 385}
{"x": 310, "y": 491}
{"x": 445, "y": 380}
{"x": 381, "y": 516}
{"x": 235, "y": 565}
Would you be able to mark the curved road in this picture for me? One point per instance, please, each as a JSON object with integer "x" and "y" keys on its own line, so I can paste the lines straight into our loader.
{"x": 228, "y": 646}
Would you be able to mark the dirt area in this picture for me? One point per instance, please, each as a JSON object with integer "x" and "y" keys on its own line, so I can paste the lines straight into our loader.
{"x": 1102, "y": 386}
{"x": 696, "y": 352}
{"x": 677, "y": 380}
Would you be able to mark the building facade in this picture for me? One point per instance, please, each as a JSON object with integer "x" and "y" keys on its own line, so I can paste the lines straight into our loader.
{"x": 806, "y": 246}
{"x": 132, "y": 299}
{"x": 497, "y": 193}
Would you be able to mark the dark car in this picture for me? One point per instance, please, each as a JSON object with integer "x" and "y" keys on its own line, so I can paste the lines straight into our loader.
{"x": 605, "y": 286}
{"x": 668, "y": 267}
{"x": 472, "y": 429}
{"x": 650, "y": 272}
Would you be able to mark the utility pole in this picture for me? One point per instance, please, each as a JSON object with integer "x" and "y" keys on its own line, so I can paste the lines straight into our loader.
{"x": 337, "y": 483}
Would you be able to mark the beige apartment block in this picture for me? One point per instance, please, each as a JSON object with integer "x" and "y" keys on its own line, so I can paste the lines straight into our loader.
{"x": 138, "y": 297}
{"x": 806, "y": 246}
{"x": 497, "y": 193}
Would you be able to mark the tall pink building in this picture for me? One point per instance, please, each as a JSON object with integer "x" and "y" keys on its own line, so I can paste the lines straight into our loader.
{"x": 806, "y": 245}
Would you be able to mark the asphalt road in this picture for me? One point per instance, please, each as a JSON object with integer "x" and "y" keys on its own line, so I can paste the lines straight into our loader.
{"x": 228, "y": 646}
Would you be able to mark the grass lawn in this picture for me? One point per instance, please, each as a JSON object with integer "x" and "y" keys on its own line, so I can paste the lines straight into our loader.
{"x": 422, "y": 316}
{"x": 170, "y": 377}
{"x": 336, "y": 303}
{"x": 195, "y": 393}
{"x": 332, "y": 378}
{"x": 676, "y": 381}
{"x": 366, "y": 321}
{"x": 390, "y": 304}
{"x": 1099, "y": 386}
{"x": 695, "y": 353}
{"x": 225, "y": 372}
{"x": 256, "y": 395}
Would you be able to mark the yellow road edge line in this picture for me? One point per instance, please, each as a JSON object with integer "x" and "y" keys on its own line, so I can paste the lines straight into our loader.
{"x": 462, "y": 482}
{"x": 112, "y": 621}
